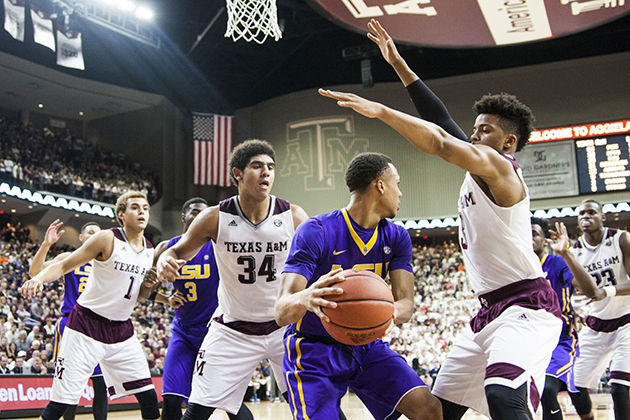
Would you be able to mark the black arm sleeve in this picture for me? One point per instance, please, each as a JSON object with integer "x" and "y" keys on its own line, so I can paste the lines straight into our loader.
{"x": 432, "y": 109}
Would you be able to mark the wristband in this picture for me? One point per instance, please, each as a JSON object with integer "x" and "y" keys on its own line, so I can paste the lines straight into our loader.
{"x": 610, "y": 291}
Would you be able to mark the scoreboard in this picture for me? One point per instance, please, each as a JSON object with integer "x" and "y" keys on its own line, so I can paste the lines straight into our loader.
{"x": 581, "y": 159}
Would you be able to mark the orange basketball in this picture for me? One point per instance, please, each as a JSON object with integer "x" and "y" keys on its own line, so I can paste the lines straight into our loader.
{"x": 364, "y": 309}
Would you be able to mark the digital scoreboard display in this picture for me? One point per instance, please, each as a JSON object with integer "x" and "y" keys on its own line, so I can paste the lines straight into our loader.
{"x": 602, "y": 156}
{"x": 603, "y": 164}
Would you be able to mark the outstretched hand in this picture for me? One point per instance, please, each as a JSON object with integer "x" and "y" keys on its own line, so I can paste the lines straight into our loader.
{"x": 559, "y": 241}
{"x": 350, "y": 100}
{"x": 167, "y": 268}
{"x": 31, "y": 288}
{"x": 314, "y": 297}
{"x": 53, "y": 234}
{"x": 385, "y": 43}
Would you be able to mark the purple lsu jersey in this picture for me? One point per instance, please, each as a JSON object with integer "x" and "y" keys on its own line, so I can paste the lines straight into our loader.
{"x": 74, "y": 285}
{"x": 198, "y": 280}
{"x": 332, "y": 240}
{"x": 560, "y": 278}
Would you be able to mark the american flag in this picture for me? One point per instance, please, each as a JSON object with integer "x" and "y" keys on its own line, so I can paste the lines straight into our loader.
{"x": 212, "y": 139}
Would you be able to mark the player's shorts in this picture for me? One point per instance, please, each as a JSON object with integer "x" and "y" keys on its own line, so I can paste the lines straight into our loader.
{"x": 181, "y": 353}
{"x": 228, "y": 358}
{"x": 318, "y": 374}
{"x": 60, "y": 326}
{"x": 596, "y": 349}
{"x": 563, "y": 359}
{"x": 513, "y": 349}
{"x": 90, "y": 339}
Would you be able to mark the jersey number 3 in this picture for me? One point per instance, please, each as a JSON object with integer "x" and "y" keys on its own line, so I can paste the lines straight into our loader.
{"x": 248, "y": 262}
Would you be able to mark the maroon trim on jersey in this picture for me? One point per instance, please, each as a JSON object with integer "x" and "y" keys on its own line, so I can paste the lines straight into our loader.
{"x": 249, "y": 328}
{"x": 504, "y": 370}
{"x": 534, "y": 395}
{"x": 147, "y": 243}
{"x": 229, "y": 206}
{"x": 607, "y": 325}
{"x": 610, "y": 232}
{"x": 131, "y": 385}
{"x": 618, "y": 374}
{"x": 512, "y": 160}
{"x": 529, "y": 293}
{"x": 281, "y": 206}
{"x": 118, "y": 234}
{"x": 99, "y": 328}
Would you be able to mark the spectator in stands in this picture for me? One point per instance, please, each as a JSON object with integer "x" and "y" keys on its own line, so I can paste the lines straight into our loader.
{"x": 37, "y": 368}
{"x": 12, "y": 351}
{"x": 4, "y": 365}
{"x": 21, "y": 342}
{"x": 19, "y": 368}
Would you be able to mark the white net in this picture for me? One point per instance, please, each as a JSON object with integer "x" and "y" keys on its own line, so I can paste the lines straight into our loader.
{"x": 252, "y": 20}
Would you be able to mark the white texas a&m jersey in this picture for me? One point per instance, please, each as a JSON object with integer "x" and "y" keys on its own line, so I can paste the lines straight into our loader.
{"x": 113, "y": 286}
{"x": 604, "y": 262}
{"x": 250, "y": 259}
{"x": 496, "y": 241}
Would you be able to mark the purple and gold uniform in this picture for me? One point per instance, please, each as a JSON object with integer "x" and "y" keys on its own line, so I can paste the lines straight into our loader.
{"x": 73, "y": 285}
{"x": 318, "y": 369}
{"x": 197, "y": 280}
{"x": 564, "y": 355}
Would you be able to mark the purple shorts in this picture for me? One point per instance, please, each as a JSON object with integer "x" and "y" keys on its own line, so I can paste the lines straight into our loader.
{"x": 61, "y": 325}
{"x": 319, "y": 373}
{"x": 563, "y": 360}
{"x": 183, "y": 347}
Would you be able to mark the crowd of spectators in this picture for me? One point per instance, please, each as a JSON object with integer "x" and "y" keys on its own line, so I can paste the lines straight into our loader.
{"x": 53, "y": 160}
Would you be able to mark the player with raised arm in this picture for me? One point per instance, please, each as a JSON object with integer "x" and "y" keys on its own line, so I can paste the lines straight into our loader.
{"x": 99, "y": 328}
{"x": 496, "y": 367}
{"x": 317, "y": 368}
{"x": 194, "y": 301}
{"x": 602, "y": 256}
{"x": 251, "y": 232}
{"x": 74, "y": 284}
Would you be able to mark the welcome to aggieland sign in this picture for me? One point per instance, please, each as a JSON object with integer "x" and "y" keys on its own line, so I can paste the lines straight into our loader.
{"x": 474, "y": 23}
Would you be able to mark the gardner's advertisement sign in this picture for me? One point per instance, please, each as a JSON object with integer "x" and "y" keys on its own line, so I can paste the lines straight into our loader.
{"x": 479, "y": 23}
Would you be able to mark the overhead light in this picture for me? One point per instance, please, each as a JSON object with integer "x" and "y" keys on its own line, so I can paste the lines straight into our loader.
{"x": 81, "y": 113}
{"x": 144, "y": 13}
{"x": 30, "y": 207}
{"x": 126, "y": 5}
{"x": 76, "y": 214}
{"x": 13, "y": 210}
{"x": 40, "y": 106}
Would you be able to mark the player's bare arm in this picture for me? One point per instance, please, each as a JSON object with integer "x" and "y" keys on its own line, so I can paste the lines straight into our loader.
{"x": 100, "y": 246}
{"x": 380, "y": 37}
{"x": 402, "y": 282}
{"x": 294, "y": 298}
{"x": 298, "y": 214}
{"x": 559, "y": 242}
{"x": 53, "y": 234}
{"x": 482, "y": 161}
{"x": 624, "y": 243}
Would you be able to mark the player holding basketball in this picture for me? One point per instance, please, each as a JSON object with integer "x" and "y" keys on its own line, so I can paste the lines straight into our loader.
{"x": 602, "y": 254}
{"x": 252, "y": 233}
{"x": 318, "y": 369}
{"x": 74, "y": 284}
{"x": 99, "y": 330}
{"x": 496, "y": 367}
{"x": 194, "y": 300}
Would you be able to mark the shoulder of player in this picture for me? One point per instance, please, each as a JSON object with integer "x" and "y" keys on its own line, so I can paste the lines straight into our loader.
{"x": 624, "y": 243}
{"x": 299, "y": 215}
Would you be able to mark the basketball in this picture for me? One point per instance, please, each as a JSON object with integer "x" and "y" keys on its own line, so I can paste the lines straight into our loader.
{"x": 364, "y": 310}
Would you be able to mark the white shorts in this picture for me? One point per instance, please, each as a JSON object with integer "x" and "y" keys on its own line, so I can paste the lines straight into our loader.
{"x": 596, "y": 349}
{"x": 124, "y": 367}
{"x": 226, "y": 362}
{"x": 513, "y": 349}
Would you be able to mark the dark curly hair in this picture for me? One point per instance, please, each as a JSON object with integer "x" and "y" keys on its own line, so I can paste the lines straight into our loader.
{"x": 242, "y": 154}
{"x": 544, "y": 225}
{"x": 516, "y": 117}
{"x": 365, "y": 168}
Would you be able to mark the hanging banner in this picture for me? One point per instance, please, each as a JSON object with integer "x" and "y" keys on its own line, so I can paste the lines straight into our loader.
{"x": 549, "y": 169}
{"x": 14, "y": 18}
{"x": 69, "y": 50}
{"x": 42, "y": 28}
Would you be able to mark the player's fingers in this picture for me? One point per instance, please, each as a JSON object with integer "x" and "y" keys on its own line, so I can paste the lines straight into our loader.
{"x": 327, "y": 291}
{"x": 372, "y": 38}
{"x": 318, "y": 311}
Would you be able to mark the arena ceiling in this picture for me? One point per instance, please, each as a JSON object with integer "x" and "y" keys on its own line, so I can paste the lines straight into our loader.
{"x": 219, "y": 75}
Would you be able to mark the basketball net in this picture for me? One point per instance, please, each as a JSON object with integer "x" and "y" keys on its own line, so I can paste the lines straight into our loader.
{"x": 252, "y": 20}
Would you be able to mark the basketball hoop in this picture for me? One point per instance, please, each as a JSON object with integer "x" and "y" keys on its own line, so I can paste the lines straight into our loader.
{"x": 252, "y": 20}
